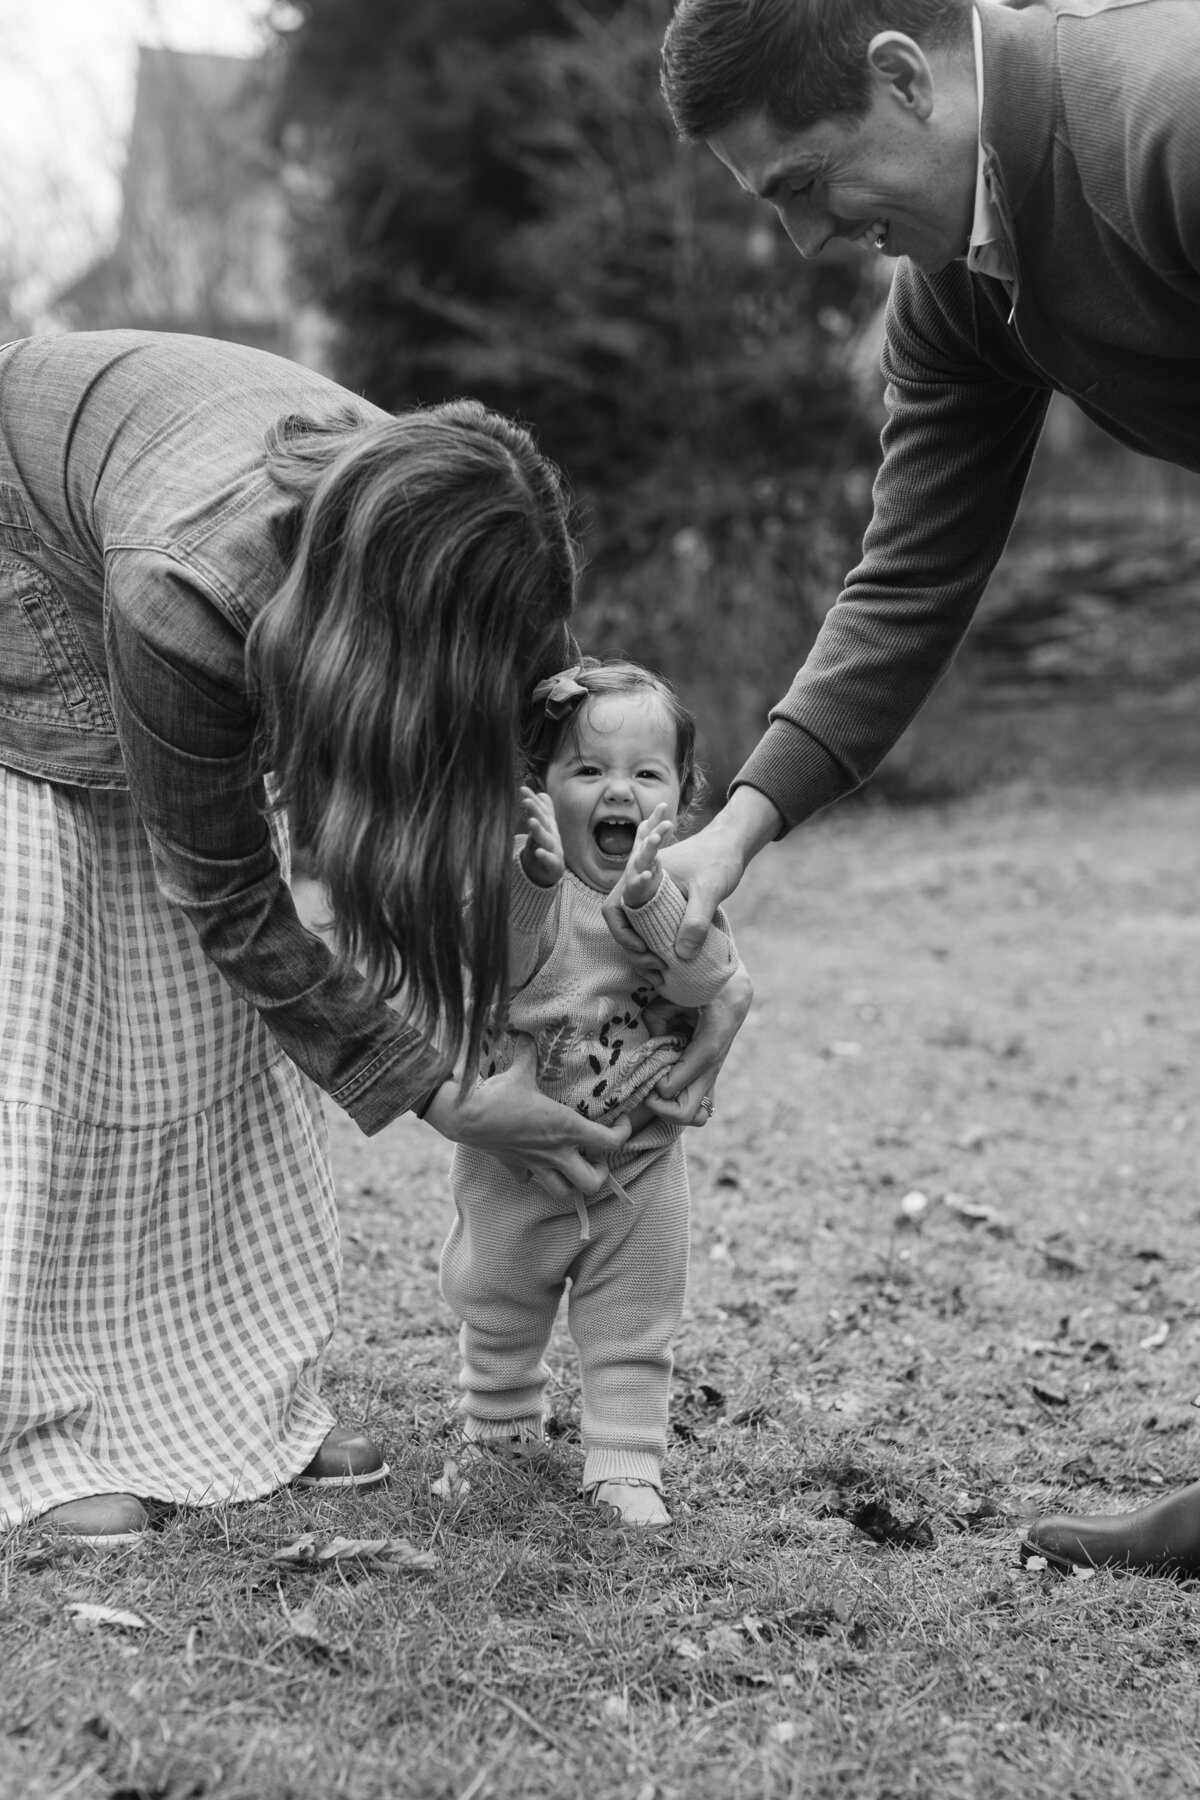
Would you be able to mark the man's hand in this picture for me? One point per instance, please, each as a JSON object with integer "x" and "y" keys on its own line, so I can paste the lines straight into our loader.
{"x": 686, "y": 1092}
{"x": 708, "y": 867}
{"x": 642, "y": 872}
{"x": 534, "y": 1136}
{"x": 542, "y": 852}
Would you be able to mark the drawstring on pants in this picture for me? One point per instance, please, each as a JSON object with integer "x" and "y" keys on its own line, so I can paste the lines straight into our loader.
{"x": 581, "y": 1207}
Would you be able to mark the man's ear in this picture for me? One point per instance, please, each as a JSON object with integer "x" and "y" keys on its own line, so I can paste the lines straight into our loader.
{"x": 899, "y": 68}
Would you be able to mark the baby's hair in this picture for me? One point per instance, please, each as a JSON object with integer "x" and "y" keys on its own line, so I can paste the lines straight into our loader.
{"x": 601, "y": 679}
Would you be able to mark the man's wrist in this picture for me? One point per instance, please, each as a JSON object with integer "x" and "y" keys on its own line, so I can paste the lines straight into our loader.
{"x": 748, "y": 822}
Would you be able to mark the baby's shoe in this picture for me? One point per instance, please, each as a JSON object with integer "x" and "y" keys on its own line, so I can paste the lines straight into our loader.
{"x": 637, "y": 1502}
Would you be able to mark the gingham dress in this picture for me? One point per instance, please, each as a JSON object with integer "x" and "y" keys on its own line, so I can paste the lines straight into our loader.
{"x": 169, "y": 1263}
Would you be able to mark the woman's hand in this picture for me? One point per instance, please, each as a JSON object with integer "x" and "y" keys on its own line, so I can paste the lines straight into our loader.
{"x": 534, "y": 1136}
{"x": 686, "y": 1092}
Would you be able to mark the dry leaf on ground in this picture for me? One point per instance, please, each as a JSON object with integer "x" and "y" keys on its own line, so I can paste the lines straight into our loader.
{"x": 451, "y": 1484}
{"x": 724, "y": 1640}
{"x": 878, "y": 1521}
{"x": 304, "y": 1625}
{"x": 976, "y": 1213}
{"x": 312, "y": 1551}
{"x": 85, "y": 1613}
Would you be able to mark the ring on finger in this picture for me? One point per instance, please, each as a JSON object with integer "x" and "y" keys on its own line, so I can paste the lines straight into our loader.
{"x": 708, "y": 1104}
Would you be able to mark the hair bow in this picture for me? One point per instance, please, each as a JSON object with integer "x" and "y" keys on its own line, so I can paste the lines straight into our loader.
{"x": 561, "y": 693}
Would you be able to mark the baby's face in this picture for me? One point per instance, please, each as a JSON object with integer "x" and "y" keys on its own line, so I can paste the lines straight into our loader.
{"x": 615, "y": 765}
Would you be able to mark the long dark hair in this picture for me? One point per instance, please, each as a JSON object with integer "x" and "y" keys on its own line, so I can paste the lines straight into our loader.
{"x": 432, "y": 572}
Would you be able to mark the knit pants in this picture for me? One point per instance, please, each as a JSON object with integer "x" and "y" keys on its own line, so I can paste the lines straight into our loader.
{"x": 505, "y": 1267}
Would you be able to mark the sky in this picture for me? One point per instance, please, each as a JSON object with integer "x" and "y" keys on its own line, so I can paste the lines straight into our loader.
{"x": 66, "y": 99}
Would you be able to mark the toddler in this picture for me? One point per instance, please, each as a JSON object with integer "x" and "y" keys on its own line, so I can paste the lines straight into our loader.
{"x": 615, "y": 770}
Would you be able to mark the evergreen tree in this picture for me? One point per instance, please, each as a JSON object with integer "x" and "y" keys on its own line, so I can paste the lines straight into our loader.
{"x": 499, "y": 206}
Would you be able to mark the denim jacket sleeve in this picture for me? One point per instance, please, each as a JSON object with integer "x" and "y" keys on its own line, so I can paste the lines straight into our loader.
{"x": 186, "y": 728}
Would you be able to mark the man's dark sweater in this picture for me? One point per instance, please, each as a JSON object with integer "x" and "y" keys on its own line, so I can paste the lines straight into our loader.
{"x": 1091, "y": 134}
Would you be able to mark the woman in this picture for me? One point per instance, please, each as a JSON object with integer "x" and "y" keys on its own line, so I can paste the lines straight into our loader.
{"x": 215, "y": 564}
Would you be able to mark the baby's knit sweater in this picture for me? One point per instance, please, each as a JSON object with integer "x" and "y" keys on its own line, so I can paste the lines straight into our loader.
{"x": 575, "y": 992}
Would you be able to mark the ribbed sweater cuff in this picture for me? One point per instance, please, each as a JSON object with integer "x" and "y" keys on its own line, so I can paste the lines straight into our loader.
{"x": 621, "y": 1465}
{"x": 529, "y": 1429}
{"x": 659, "y": 918}
{"x": 529, "y": 905}
{"x": 795, "y": 772}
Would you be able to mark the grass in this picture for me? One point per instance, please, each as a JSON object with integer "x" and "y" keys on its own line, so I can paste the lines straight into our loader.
{"x": 998, "y": 1000}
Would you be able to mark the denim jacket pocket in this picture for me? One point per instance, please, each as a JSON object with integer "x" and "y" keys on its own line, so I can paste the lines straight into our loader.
{"x": 47, "y": 676}
{"x": 16, "y": 532}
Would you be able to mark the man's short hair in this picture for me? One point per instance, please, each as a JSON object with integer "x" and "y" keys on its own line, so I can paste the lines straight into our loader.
{"x": 796, "y": 61}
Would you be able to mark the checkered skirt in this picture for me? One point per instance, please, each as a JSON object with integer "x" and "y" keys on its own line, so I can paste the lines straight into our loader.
{"x": 169, "y": 1263}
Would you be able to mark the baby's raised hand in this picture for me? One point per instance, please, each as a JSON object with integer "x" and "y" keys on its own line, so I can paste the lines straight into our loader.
{"x": 642, "y": 871}
{"x": 542, "y": 852}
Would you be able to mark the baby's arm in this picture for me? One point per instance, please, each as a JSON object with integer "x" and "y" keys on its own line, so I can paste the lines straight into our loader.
{"x": 542, "y": 852}
{"x": 537, "y": 870}
{"x": 657, "y": 916}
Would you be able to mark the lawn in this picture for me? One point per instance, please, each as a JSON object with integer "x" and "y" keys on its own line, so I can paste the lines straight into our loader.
{"x": 995, "y": 1000}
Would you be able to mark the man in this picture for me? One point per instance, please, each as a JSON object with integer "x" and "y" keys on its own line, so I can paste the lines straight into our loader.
{"x": 1035, "y": 169}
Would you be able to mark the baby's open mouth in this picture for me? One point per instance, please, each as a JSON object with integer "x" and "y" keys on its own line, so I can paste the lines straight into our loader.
{"x": 614, "y": 837}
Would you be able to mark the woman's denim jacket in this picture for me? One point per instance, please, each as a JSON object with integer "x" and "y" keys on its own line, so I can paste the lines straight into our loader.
{"x": 138, "y": 541}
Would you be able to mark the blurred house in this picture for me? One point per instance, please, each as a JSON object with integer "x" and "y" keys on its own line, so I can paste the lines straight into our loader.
{"x": 203, "y": 239}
